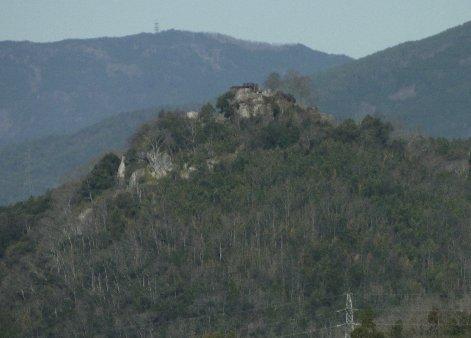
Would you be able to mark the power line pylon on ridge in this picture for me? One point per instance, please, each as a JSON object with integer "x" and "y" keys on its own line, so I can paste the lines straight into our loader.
{"x": 349, "y": 318}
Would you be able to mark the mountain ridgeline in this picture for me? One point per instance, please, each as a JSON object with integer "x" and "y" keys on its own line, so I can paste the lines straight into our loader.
{"x": 60, "y": 87}
{"x": 251, "y": 218}
{"x": 58, "y": 99}
{"x": 61, "y": 103}
{"x": 422, "y": 85}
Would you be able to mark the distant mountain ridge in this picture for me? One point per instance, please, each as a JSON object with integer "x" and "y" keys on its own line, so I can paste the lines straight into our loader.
{"x": 424, "y": 84}
{"x": 60, "y": 87}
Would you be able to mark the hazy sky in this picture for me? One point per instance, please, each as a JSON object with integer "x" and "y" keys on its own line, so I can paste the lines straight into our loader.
{"x": 353, "y": 27}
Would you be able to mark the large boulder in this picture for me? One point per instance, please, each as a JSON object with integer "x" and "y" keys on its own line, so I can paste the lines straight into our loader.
{"x": 250, "y": 100}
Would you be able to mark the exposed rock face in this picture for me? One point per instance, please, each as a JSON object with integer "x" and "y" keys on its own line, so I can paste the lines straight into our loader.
{"x": 135, "y": 177}
{"x": 211, "y": 163}
{"x": 249, "y": 100}
{"x": 121, "y": 174}
{"x": 186, "y": 171}
{"x": 159, "y": 162}
{"x": 192, "y": 114}
{"x": 153, "y": 163}
{"x": 85, "y": 214}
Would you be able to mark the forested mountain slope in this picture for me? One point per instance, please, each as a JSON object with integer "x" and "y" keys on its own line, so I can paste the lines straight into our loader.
{"x": 422, "y": 84}
{"x": 61, "y": 87}
{"x": 252, "y": 220}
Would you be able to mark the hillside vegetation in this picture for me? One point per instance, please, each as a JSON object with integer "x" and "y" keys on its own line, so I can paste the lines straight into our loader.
{"x": 251, "y": 219}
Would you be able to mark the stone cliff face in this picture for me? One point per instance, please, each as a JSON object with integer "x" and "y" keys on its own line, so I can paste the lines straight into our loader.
{"x": 159, "y": 162}
{"x": 249, "y": 100}
{"x": 122, "y": 169}
{"x": 156, "y": 163}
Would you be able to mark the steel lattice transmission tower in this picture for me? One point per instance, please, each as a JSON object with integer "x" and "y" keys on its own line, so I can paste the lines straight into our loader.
{"x": 349, "y": 319}
{"x": 156, "y": 27}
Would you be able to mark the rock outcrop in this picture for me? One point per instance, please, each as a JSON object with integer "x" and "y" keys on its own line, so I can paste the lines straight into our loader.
{"x": 136, "y": 176}
{"x": 186, "y": 171}
{"x": 121, "y": 174}
{"x": 250, "y": 100}
{"x": 192, "y": 114}
{"x": 159, "y": 162}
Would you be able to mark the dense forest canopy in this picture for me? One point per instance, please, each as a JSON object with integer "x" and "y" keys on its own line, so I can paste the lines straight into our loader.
{"x": 228, "y": 225}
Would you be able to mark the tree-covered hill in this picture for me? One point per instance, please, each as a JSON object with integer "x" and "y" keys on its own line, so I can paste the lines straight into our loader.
{"x": 249, "y": 219}
{"x": 422, "y": 84}
{"x": 61, "y": 87}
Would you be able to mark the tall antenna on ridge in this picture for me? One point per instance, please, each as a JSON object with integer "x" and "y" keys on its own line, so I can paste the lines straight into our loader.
{"x": 156, "y": 27}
